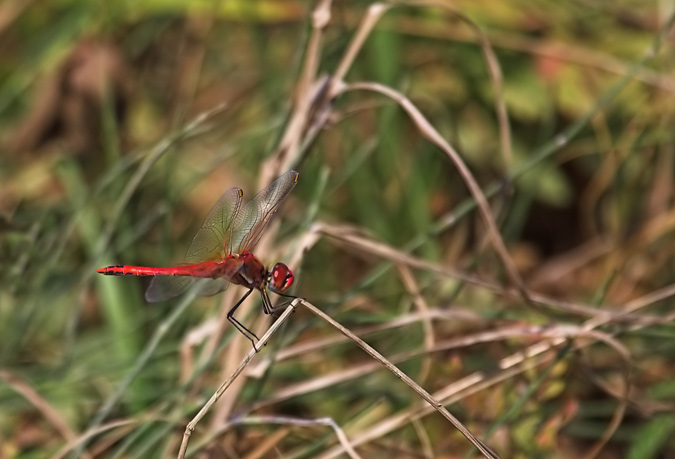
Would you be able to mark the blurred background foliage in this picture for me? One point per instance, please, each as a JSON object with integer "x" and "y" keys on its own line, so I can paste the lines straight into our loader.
{"x": 103, "y": 163}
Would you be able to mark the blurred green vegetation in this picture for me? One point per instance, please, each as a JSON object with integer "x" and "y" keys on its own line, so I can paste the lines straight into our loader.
{"x": 115, "y": 145}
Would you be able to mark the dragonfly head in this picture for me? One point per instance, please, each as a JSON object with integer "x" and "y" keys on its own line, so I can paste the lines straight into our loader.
{"x": 280, "y": 278}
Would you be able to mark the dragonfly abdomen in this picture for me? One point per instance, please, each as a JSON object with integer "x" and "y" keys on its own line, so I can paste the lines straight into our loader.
{"x": 123, "y": 270}
{"x": 205, "y": 270}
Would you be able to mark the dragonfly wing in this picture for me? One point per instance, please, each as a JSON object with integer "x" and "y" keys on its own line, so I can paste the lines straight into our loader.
{"x": 251, "y": 220}
{"x": 212, "y": 240}
{"x": 164, "y": 287}
{"x": 208, "y": 287}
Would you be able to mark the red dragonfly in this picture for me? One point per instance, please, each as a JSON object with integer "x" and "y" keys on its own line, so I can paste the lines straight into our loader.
{"x": 220, "y": 253}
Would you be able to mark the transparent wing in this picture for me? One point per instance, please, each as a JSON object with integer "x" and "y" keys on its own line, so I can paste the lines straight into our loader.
{"x": 251, "y": 220}
{"x": 164, "y": 287}
{"x": 209, "y": 244}
{"x": 212, "y": 241}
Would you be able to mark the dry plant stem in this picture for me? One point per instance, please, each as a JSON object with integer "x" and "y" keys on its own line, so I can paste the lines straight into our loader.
{"x": 430, "y": 133}
{"x": 223, "y": 387}
{"x": 49, "y": 413}
{"x": 487, "y": 452}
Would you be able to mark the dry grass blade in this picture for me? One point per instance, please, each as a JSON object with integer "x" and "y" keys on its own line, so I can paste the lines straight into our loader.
{"x": 438, "y": 406}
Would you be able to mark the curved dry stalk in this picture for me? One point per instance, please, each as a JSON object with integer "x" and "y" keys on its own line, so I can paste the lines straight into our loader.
{"x": 337, "y": 87}
{"x": 223, "y": 387}
{"x": 438, "y": 406}
{"x": 433, "y": 136}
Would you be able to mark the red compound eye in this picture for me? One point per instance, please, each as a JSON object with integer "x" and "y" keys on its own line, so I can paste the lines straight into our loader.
{"x": 281, "y": 278}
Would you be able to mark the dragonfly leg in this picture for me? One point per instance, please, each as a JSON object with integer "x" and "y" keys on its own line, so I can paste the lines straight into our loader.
{"x": 267, "y": 303}
{"x": 238, "y": 325}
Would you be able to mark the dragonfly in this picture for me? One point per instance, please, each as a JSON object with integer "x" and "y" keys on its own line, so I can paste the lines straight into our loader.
{"x": 220, "y": 253}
